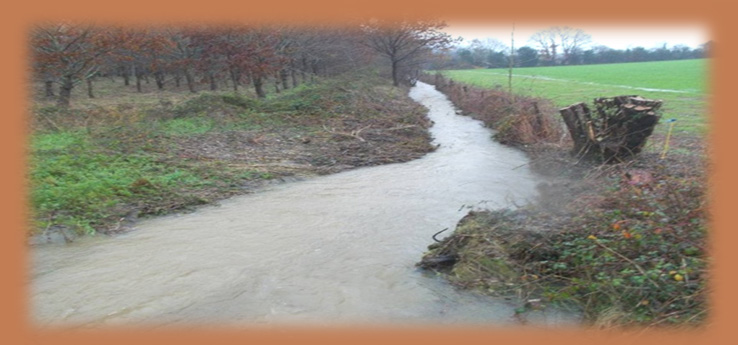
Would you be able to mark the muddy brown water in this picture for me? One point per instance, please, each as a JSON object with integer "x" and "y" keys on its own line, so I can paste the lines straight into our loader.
{"x": 330, "y": 250}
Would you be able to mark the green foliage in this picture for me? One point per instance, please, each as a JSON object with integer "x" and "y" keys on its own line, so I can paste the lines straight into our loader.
{"x": 637, "y": 258}
{"x": 87, "y": 182}
{"x": 92, "y": 165}
{"x": 324, "y": 98}
{"x": 75, "y": 184}
{"x": 682, "y": 85}
{"x": 58, "y": 141}
{"x": 240, "y": 101}
{"x": 517, "y": 120}
{"x": 208, "y": 103}
{"x": 188, "y": 126}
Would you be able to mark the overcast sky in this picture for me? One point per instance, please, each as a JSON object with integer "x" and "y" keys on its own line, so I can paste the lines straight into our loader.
{"x": 613, "y": 36}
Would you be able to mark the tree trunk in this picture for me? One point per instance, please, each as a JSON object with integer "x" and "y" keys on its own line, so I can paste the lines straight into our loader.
{"x": 49, "y": 88}
{"x": 618, "y": 130}
{"x": 258, "y": 86}
{"x": 126, "y": 76}
{"x": 177, "y": 79}
{"x": 283, "y": 76}
{"x": 294, "y": 78}
{"x": 65, "y": 91}
{"x": 395, "y": 81}
{"x": 159, "y": 77}
{"x": 576, "y": 117}
{"x": 190, "y": 81}
{"x": 138, "y": 83}
{"x": 213, "y": 84}
{"x": 304, "y": 68}
{"x": 90, "y": 94}
{"x": 234, "y": 79}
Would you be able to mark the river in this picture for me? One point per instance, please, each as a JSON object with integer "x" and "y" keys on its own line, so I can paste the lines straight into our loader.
{"x": 337, "y": 249}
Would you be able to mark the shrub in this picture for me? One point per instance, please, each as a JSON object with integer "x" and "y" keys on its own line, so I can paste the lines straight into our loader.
{"x": 623, "y": 255}
{"x": 518, "y": 120}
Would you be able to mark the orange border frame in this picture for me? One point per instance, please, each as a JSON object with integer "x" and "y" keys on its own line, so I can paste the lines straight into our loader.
{"x": 14, "y": 314}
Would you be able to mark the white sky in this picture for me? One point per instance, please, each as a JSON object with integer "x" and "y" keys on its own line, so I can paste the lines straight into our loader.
{"x": 614, "y": 36}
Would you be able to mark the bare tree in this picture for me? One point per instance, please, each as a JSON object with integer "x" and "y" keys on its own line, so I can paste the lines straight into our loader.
{"x": 557, "y": 39}
{"x": 546, "y": 43}
{"x": 487, "y": 52}
{"x": 68, "y": 54}
{"x": 403, "y": 42}
{"x": 184, "y": 54}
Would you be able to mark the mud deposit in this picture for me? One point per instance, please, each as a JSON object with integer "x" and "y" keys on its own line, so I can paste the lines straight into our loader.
{"x": 334, "y": 249}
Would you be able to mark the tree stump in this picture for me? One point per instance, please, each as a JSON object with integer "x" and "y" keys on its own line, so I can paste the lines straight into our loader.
{"x": 616, "y": 131}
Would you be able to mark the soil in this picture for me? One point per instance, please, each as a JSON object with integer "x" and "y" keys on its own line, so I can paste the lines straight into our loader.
{"x": 288, "y": 152}
{"x": 293, "y": 147}
{"x": 498, "y": 251}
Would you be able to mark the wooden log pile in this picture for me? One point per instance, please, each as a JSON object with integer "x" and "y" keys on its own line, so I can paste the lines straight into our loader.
{"x": 617, "y": 130}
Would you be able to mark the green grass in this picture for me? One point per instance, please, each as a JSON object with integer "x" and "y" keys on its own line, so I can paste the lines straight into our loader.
{"x": 76, "y": 184}
{"x": 85, "y": 178}
{"x": 188, "y": 126}
{"x": 79, "y": 182}
{"x": 682, "y": 85}
{"x": 100, "y": 160}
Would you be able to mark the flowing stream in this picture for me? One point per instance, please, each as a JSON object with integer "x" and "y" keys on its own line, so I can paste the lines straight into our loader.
{"x": 330, "y": 250}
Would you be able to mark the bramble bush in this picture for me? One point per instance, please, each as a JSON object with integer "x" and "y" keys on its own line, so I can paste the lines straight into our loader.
{"x": 518, "y": 120}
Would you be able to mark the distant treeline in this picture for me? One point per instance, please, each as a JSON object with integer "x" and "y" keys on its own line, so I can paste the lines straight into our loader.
{"x": 496, "y": 56}
{"x": 66, "y": 54}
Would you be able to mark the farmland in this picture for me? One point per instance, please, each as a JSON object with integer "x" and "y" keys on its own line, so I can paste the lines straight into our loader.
{"x": 682, "y": 85}
{"x": 622, "y": 251}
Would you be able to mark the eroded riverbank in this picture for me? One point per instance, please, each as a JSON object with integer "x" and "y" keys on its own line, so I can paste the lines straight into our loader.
{"x": 329, "y": 250}
{"x": 625, "y": 243}
{"x": 99, "y": 167}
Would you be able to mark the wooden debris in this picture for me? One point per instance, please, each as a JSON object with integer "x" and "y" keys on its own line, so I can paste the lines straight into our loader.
{"x": 617, "y": 129}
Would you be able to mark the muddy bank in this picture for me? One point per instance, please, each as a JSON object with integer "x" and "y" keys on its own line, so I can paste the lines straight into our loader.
{"x": 337, "y": 249}
{"x": 624, "y": 244}
{"x": 309, "y": 146}
{"x": 217, "y": 145}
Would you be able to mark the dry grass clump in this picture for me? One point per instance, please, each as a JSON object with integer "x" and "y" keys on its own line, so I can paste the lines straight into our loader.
{"x": 98, "y": 165}
{"x": 624, "y": 244}
{"x": 630, "y": 253}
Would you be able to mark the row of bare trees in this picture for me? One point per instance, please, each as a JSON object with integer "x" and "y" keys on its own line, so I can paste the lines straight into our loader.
{"x": 561, "y": 45}
{"x": 65, "y": 55}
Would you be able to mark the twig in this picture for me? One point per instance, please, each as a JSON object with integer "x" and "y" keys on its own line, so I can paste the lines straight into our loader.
{"x": 48, "y": 226}
{"x": 400, "y": 127}
{"x": 436, "y": 234}
{"x": 353, "y": 134}
{"x": 51, "y": 122}
{"x": 638, "y": 267}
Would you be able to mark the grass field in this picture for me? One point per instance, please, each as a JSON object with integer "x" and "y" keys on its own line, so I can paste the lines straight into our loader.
{"x": 623, "y": 251}
{"x": 682, "y": 85}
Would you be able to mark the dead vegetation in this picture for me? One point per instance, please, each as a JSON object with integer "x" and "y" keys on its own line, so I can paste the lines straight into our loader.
{"x": 99, "y": 165}
{"x": 617, "y": 130}
{"x": 518, "y": 120}
{"x": 624, "y": 244}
